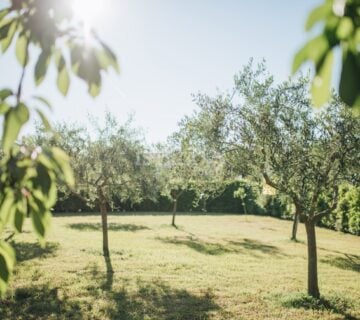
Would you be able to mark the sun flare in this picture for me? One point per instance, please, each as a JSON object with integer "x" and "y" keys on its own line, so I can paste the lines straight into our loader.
{"x": 90, "y": 12}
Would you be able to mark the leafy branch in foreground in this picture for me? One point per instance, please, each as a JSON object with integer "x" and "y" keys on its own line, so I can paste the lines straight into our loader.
{"x": 29, "y": 175}
{"x": 340, "y": 20}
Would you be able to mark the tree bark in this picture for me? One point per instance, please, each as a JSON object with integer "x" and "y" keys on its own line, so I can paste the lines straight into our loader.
{"x": 295, "y": 226}
{"x": 174, "y": 212}
{"x": 103, "y": 211}
{"x": 244, "y": 206}
{"x": 313, "y": 287}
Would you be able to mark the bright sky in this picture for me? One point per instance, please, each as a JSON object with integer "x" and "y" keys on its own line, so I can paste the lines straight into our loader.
{"x": 168, "y": 49}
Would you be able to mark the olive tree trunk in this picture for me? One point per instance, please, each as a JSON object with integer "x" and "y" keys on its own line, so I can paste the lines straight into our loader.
{"x": 295, "y": 226}
{"x": 174, "y": 212}
{"x": 313, "y": 287}
{"x": 104, "y": 224}
{"x": 244, "y": 206}
{"x": 176, "y": 199}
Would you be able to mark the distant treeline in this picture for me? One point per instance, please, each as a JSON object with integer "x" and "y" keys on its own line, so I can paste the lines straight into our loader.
{"x": 345, "y": 218}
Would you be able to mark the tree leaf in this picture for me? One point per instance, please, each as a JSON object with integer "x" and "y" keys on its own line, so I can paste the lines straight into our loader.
{"x": 4, "y": 107}
{"x": 315, "y": 51}
{"x": 38, "y": 223}
{"x": 111, "y": 56}
{"x": 22, "y": 50}
{"x": 7, "y": 263}
{"x": 103, "y": 59}
{"x": 41, "y": 66}
{"x": 4, "y": 30}
{"x": 345, "y": 28}
{"x": 63, "y": 81}
{"x": 318, "y": 14}
{"x": 320, "y": 88}
{"x": 5, "y": 93}
{"x": 20, "y": 214}
{"x": 349, "y": 88}
{"x": 6, "y": 42}
{"x": 15, "y": 118}
{"x": 44, "y": 120}
{"x": 40, "y": 216}
{"x": 94, "y": 89}
{"x": 6, "y": 207}
{"x": 52, "y": 195}
{"x": 3, "y": 13}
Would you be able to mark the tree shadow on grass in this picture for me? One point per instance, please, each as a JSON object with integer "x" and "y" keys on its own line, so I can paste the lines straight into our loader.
{"x": 334, "y": 304}
{"x": 255, "y": 245}
{"x": 39, "y": 302}
{"x": 154, "y": 300}
{"x": 159, "y": 301}
{"x": 28, "y": 251}
{"x": 346, "y": 262}
{"x": 211, "y": 248}
{"x": 111, "y": 227}
{"x": 151, "y": 300}
{"x": 199, "y": 245}
{"x": 109, "y": 274}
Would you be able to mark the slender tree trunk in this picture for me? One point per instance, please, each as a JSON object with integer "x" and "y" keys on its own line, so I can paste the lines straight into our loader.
{"x": 244, "y": 206}
{"x": 103, "y": 211}
{"x": 176, "y": 199}
{"x": 295, "y": 226}
{"x": 313, "y": 287}
{"x": 204, "y": 205}
{"x": 174, "y": 212}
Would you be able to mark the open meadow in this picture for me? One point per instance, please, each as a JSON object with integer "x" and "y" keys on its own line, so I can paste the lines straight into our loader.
{"x": 210, "y": 267}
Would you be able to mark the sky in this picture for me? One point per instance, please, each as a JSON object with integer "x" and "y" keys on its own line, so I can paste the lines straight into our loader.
{"x": 169, "y": 49}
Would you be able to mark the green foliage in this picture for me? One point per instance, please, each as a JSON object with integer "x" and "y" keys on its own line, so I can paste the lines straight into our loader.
{"x": 228, "y": 200}
{"x": 348, "y": 209}
{"x": 185, "y": 166}
{"x": 51, "y": 27}
{"x": 113, "y": 163}
{"x": 15, "y": 118}
{"x": 277, "y": 206}
{"x": 340, "y": 29}
{"x": 7, "y": 262}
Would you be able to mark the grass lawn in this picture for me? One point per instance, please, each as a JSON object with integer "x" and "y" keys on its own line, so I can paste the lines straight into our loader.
{"x": 211, "y": 267}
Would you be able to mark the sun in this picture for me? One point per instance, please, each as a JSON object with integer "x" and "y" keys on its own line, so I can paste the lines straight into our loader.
{"x": 90, "y": 12}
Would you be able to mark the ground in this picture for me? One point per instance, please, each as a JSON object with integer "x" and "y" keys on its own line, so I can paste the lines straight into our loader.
{"x": 210, "y": 267}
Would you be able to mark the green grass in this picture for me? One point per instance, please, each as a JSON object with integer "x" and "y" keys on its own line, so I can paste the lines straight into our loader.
{"x": 210, "y": 267}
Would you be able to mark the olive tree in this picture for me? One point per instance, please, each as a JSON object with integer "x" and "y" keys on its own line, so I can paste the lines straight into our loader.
{"x": 112, "y": 164}
{"x": 177, "y": 174}
{"x": 185, "y": 167}
{"x": 277, "y": 136}
{"x": 48, "y": 31}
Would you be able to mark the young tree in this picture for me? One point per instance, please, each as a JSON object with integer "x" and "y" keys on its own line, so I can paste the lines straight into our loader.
{"x": 278, "y": 137}
{"x": 185, "y": 167}
{"x": 29, "y": 175}
{"x": 177, "y": 173}
{"x": 114, "y": 163}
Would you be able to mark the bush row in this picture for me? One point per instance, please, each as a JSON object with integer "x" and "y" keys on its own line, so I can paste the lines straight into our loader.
{"x": 345, "y": 218}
